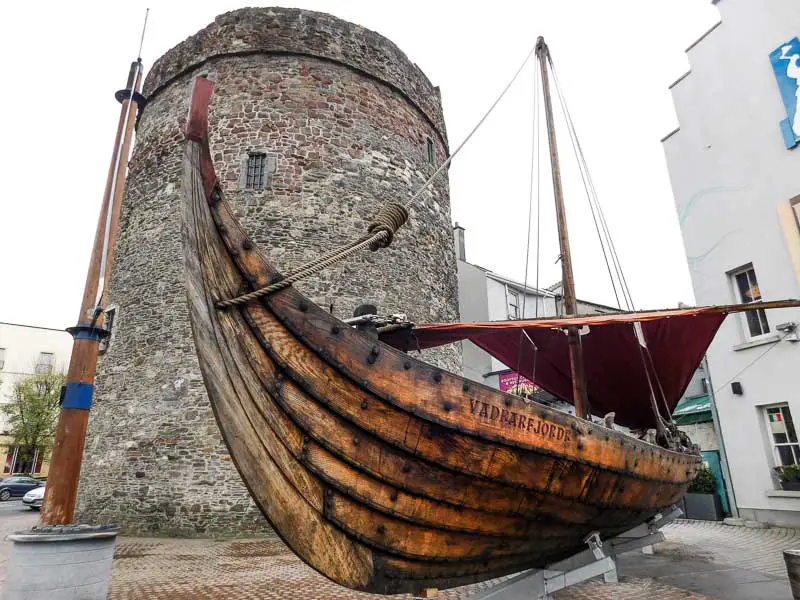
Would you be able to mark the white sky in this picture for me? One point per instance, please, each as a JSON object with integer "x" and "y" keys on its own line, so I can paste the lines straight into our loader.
{"x": 61, "y": 63}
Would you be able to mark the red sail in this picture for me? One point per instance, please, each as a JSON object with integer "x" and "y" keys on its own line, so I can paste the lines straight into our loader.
{"x": 616, "y": 363}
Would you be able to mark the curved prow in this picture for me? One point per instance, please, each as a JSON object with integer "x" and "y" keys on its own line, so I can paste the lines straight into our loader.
{"x": 197, "y": 129}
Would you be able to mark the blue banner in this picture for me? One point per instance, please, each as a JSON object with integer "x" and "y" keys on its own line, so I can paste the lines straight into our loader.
{"x": 785, "y": 59}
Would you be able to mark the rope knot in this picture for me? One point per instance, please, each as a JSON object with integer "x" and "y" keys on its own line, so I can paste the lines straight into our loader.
{"x": 390, "y": 218}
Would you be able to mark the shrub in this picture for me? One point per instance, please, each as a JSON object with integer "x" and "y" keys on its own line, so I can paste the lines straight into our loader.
{"x": 788, "y": 473}
{"x": 704, "y": 483}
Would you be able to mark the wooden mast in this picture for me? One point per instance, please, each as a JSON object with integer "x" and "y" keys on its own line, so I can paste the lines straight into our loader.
{"x": 65, "y": 463}
{"x": 570, "y": 301}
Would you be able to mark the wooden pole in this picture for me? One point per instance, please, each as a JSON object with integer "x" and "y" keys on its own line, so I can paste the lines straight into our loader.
{"x": 570, "y": 301}
{"x": 65, "y": 463}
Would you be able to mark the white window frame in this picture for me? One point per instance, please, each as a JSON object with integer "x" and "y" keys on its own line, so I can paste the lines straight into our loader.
{"x": 2, "y": 358}
{"x": 776, "y": 457}
{"x": 509, "y": 295}
{"x": 50, "y": 365}
{"x": 745, "y": 326}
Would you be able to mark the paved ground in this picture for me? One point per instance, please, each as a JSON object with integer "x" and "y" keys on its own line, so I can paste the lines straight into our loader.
{"x": 699, "y": 561}
{"x": 266, "y": 569}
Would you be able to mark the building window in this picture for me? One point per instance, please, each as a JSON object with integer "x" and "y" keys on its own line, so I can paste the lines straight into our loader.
{"x": 431, "y": 152}
{"x": 782, "y": 435}
{"x": 256, "y": 170}
{"x": 747, "y": 290}
{"x": 2, "y": 358}
{"x": 513, "y": 304}
{"x": 22, "y": 459}
{"x": 45, "y": 363}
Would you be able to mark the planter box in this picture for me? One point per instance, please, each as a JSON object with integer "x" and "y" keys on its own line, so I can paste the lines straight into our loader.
{"x": 792, "y": 559}
{"x": 790, "y": 486}
{"x": 69, "y": 562}
{"x": 703, "y": 507}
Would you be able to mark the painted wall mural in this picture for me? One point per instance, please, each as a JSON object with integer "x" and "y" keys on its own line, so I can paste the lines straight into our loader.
{"x": 785, "y": 59}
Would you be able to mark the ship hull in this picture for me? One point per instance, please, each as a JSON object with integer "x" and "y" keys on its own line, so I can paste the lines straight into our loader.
{"x": 382, "y": 472}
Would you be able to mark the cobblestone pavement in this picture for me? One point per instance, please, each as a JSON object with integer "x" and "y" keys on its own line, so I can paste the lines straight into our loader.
{"x": 265, "y": 569}
{"x": 756, "y": 549}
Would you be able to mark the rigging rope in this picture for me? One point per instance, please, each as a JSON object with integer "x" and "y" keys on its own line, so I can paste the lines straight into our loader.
{"x": 384, "y": 226}
{"x": 534, "y": 156}
{"x": 594, "y": 202}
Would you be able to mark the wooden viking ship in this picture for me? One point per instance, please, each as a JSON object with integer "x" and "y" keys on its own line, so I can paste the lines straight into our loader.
{"x": 388, "y": 474}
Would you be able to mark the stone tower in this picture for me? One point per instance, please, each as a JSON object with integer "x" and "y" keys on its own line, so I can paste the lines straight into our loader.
{"x": 337, "y": 121}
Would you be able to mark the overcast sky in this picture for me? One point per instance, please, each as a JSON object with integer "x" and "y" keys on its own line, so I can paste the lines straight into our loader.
{"x": 61, "y": 63}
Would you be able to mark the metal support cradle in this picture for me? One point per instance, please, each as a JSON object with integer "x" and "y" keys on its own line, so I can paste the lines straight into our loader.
{"x": 597, "y": 559}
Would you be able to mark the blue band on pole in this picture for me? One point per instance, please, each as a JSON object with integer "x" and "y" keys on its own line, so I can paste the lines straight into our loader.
{"x": 87, "y": 335}
{"x": 78, "y": 395}
{"x": 84, "y": 331}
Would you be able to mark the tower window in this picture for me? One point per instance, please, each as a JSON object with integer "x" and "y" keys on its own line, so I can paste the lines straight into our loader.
{"x": 431, "y": 152}
{"x": 256, "y": 170}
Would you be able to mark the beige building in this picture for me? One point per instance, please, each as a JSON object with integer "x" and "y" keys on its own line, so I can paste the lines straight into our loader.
{"x": 24, "y": 351}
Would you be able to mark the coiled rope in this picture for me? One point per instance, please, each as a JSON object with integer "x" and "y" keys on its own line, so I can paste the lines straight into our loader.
{"x": 381, "y": 231}
{"x": 388, "y": 220}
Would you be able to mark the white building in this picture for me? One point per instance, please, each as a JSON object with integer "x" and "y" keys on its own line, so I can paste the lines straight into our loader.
{"x": 735, "y": 169}
{"x": 487, "y": 296}
{"x": 25, "y": 350}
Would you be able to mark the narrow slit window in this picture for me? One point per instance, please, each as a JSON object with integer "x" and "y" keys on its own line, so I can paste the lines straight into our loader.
{"x": 256, "y": 170}
{"x": 431, "y": 152}
{"x": 110, "y": 315}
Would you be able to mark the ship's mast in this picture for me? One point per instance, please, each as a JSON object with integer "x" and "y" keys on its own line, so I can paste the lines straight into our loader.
{"x": 65, "y": 463}
{"x": 570, "y": 301}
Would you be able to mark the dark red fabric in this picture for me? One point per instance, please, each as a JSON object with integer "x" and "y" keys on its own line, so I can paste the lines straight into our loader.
{"x": 615, "y": 371}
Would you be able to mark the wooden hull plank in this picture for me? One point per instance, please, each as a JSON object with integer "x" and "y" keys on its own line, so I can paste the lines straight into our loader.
{"x": 439, "y": 445}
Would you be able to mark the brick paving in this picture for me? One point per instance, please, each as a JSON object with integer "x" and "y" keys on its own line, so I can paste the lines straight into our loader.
{"x": 755, "y": 549}
{"x": 265, "y": 569}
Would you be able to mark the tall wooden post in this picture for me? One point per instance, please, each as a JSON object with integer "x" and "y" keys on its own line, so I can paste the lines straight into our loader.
{"x": 570, "y": 301}
{"x": 65, "y": 463}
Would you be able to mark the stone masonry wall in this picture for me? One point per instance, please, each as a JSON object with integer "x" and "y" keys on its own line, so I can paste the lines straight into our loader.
{"x": 345, "y": 139}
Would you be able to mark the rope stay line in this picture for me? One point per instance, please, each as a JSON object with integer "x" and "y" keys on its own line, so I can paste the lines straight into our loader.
{"x": 581, "y": 169}
{"x": 598, "y": 216}
{"x": 381, "y": 231}
{"x": 534, "y": 162}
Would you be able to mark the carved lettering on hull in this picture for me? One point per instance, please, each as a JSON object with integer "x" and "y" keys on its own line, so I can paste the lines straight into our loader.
{"x": 509, "y": 418}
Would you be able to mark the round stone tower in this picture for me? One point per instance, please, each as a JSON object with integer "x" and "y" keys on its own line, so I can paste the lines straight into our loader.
{"x": 315, "y": 123}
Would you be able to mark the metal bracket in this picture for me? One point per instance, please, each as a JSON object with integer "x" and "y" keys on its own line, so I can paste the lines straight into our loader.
{"x": 597, "y": 559}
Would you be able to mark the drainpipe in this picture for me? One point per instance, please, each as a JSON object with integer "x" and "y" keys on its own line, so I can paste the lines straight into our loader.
{"x": 720, "y": 442}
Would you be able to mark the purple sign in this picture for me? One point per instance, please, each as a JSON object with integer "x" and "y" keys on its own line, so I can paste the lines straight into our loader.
{"x": 516, "y": 384}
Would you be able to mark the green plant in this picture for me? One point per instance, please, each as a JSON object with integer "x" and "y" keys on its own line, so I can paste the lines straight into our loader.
{"x": 32, "y": 414}
{"x": 704, "y": 483}
{"x": 788, "y": 473}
